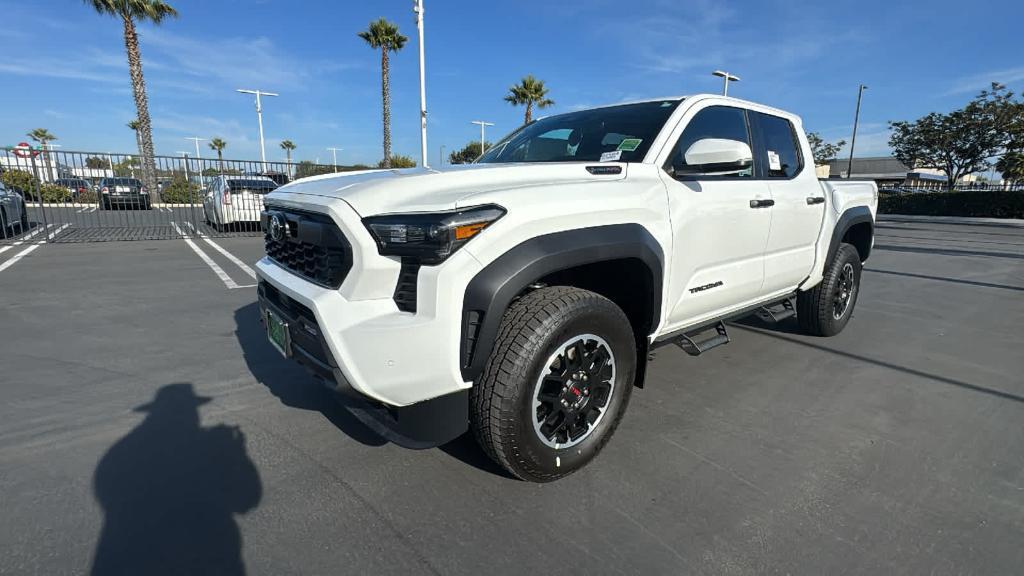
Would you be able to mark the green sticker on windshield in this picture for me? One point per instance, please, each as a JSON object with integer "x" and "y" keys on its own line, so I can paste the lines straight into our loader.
{"x": 629, "y": 144}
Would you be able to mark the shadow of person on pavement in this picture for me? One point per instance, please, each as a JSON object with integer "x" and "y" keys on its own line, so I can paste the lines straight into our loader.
{"x": 290, "y": 383}
{"x": 170, "y": 491}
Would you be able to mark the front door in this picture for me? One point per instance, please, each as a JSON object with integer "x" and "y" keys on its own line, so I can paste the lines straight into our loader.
{"x": 720, "y": 225}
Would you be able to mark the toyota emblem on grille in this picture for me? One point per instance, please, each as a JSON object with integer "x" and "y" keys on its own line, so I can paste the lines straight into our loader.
{"x": 277, "y": 227}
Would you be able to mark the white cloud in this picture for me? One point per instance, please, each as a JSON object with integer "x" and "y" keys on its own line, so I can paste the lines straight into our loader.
{"x": 981, "y": 81}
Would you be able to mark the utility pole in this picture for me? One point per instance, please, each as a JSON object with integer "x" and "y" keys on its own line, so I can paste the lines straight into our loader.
{"x": 856, "y": 120}
{"x": 199, "y": 157}
{"x": 482, "y": 128}
{"x": 726, "y": 78}
{"x": 418, "y": 9}
{"x": 259, "y": 117}
{"x": 184, "y": 160}
{"x": 334, "y": 155}
{"x": 440, "y": 157}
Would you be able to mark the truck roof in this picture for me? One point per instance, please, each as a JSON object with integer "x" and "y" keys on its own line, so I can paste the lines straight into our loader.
{"x": 738, "y": 101}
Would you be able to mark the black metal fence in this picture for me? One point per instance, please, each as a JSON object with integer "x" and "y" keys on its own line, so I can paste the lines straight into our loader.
{"x": 85, "y": 196}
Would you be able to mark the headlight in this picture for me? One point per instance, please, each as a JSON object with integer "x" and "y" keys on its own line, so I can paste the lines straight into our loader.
{"x": 430, "y": 237}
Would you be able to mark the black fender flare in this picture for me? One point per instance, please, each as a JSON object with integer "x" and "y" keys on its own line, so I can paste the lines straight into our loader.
{"x": 849, "y": 218}
{"x": 492, "y": 290}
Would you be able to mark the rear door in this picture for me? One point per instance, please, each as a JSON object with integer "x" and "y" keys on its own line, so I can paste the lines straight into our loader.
{"x": 719, "y": 235}
{"x": 799, "y": 202}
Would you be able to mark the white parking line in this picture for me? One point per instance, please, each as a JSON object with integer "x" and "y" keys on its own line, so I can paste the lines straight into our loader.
{"x": 26, "y": 237}
{"x": 53, "y": 234}
{"x": 14, "y": 259}
{"x": 209, "y": 261}
{"x": 234, "y": 259}
{"x": 89, "y": 209}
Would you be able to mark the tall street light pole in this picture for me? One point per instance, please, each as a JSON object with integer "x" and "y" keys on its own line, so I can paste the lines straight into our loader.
{"x": 856, "y": 120}
{"x": 334, "y": 155}
{"x": 259, "y": 117}
{"x": 418, "y": 9}
{"x": 199, "y": 157}
{"x": 440, "y": 157}
{"x": 482, "y": 127}
{"x": 726, "y": 78}
{"x": 184, "y": 161}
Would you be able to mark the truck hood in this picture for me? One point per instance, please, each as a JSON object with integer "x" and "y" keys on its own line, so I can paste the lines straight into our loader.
{"x": 372, "y": 192}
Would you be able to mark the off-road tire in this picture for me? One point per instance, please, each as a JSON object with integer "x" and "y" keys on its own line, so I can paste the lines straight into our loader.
{"x": 816, "y": 308}
{"x": 502, "y": 408}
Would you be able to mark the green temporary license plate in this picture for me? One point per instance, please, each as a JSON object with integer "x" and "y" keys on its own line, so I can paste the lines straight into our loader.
{"x": 277, "y": 333}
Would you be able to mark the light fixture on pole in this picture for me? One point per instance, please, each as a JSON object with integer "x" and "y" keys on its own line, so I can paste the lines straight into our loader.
{"x": 418, "y": 9}
{"x": 853, "y": 140}
{"x": 259, "y": 117}
{"x": 482, "y": 126}
{"x": 197, "y": 140}
{"x": 726, "y": 78}
{"x": 334, "y": 155}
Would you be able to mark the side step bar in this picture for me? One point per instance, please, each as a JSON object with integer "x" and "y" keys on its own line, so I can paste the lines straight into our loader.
{"x": 778, "y": 312}
{"x": 689, "y": 343}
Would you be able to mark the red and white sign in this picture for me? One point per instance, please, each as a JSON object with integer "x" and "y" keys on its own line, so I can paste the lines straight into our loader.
{"x": 23, "y": 150}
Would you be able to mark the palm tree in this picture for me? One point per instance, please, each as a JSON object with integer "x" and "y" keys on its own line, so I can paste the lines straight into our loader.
{"x": 134, "y": 125}
{"x": 530, "y": 92}
{"x": 219, "y": 145}
{"x": 288, "y": 146}
{"x": 130, "y": 11}
{"x": 384, "y": 35}
{"x": 43, "y": 136}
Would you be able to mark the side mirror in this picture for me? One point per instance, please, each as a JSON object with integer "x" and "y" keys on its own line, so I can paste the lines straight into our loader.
{"x": 716, "y": 157}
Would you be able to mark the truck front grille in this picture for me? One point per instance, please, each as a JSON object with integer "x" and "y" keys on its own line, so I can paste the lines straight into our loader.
{"x": 307, "y": 243}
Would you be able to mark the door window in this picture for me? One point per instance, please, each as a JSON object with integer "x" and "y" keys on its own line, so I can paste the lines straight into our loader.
{"x": 779, "y": 153}
{"x": 722, "y": 122}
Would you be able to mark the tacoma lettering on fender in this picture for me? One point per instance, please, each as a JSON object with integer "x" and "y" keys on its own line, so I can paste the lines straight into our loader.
{"x": 519, "y": 295}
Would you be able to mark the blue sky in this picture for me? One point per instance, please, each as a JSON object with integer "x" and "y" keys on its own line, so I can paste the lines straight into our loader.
{"x": 64, "y": 66}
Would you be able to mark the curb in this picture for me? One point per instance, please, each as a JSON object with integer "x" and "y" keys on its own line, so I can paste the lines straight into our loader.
{"x": 998, "y": 222}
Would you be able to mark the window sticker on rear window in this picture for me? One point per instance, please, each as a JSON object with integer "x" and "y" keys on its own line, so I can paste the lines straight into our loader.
{"x": 611, "y": 156}
{"x": 629, "y": 144}
{"x": 773, "y": 160}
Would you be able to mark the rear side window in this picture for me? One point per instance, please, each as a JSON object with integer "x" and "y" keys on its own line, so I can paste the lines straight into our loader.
{"x": 722, "y": 122}
{"x": 257, "y": 186}
{"x": 779, "y": 153}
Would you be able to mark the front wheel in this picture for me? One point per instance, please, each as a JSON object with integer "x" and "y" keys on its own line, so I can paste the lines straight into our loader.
{"x": 24, "y": 218}
{"x": 826, "y": 309}
{"x": 556, "y": 384}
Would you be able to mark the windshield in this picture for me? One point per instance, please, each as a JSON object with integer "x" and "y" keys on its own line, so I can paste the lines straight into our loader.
{"x": 258, "y": 186}
{"x": 123, "y": 182}
{"x": 616, "y": 133}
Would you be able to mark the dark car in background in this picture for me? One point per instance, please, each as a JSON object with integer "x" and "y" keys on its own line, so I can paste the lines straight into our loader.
{"x": 123, "y": 192}
{"x": 77, "y": 186}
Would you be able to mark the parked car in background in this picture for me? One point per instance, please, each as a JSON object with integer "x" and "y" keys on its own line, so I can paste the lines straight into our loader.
{"x": 12, "y": 212}
{"x": 123, "y": 192}
{"x": 235, "y": 199}
{"x": 77, "y": 186}
{"x": 279, "y": 178}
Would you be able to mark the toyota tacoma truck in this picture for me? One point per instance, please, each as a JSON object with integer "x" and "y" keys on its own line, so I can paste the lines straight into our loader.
{"x": 520, "y": 296}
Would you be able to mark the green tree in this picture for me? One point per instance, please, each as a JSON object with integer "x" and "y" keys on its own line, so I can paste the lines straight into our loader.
{"x": 21, "y": 181}
{"x": 134, "y": 126}
{"x": 306, "y": 168}
{"x": 180, "y": 191}
{"x": 957, "y": 143}
{"x": 385, "y": 36}
{"x": 469, "y": 153}
{"x": 529, "y": 92}
{"x": 288, "y": 146}
{"x": 397, "y": 161}
{"x": 130, "y": 12}
{"x": 218, "y": 145}
{"x": 823, "y": 152}
{"x": 43, "y": 137}
{"x": 96, "y": 163}
{"x": 1011, "y": 166}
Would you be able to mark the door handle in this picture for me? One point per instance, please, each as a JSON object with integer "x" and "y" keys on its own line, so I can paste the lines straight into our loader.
{"x": 761, "y": 203}
{"x": 815, "y": 199}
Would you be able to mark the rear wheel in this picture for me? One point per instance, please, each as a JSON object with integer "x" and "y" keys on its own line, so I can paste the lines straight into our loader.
{"x": 24, "y": 217}
{"x": 826, "y": 309}
{"x": 4, "y": 232}
{"x": 556, "y": 384}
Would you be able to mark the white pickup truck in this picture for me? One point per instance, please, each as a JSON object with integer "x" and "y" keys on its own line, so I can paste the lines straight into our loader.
{"x": 520, "y": 295}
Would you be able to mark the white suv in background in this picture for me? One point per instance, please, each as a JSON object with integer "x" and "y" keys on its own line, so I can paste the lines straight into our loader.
{"x": 235, "y": 199}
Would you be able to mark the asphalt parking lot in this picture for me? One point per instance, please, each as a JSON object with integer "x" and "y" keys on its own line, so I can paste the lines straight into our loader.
{"x": 895, "y": 447}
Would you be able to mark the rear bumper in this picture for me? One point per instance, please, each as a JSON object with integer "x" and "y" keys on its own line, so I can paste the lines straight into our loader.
{"x": 422, "y": 424}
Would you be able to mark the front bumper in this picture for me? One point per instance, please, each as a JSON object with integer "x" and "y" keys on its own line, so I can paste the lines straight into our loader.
{"x": 419, "y": 425}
